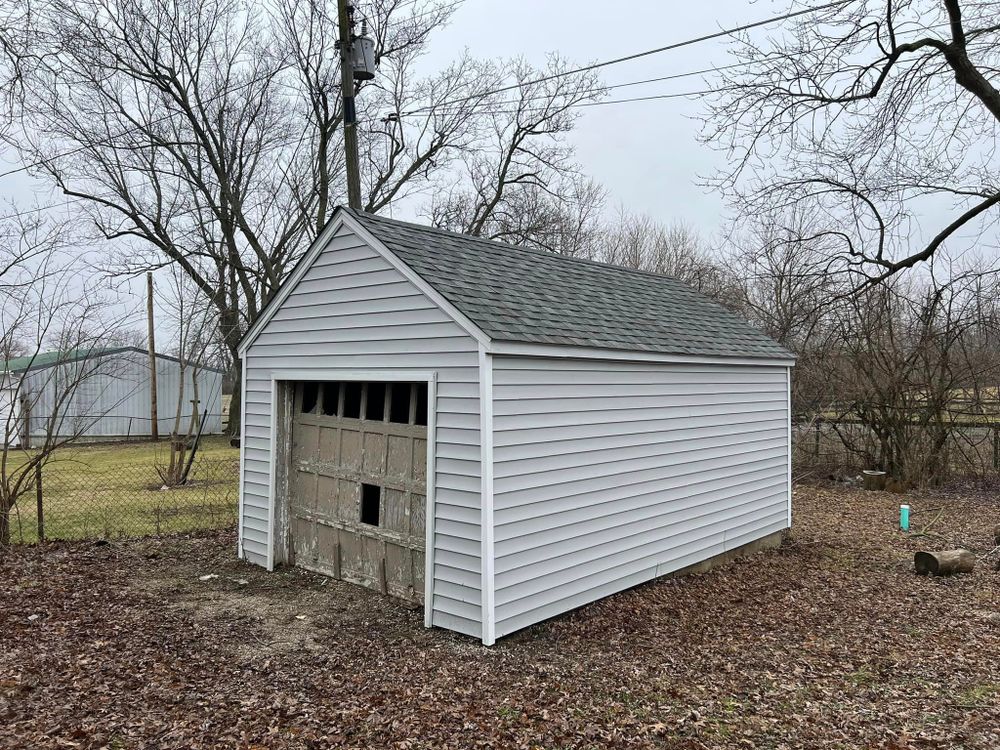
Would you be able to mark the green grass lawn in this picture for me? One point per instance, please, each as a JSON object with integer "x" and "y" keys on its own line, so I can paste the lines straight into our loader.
{"x": 113, "y": 490}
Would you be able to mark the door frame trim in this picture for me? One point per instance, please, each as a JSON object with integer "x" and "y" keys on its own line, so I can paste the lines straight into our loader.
{"x": 385, "y": 375}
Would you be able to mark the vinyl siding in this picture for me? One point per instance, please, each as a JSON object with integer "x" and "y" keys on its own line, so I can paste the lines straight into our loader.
{"x": 353, "y": 310}
{"x": 608, "y": 474}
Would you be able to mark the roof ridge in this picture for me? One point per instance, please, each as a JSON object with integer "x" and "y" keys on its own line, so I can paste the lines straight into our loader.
{"x": 547, "y": 254}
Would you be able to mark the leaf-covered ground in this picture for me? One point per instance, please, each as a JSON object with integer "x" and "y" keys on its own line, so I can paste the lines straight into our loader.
{"x": 829, "y": 642}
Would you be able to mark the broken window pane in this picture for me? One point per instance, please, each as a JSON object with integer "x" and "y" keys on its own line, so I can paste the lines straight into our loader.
{"x": 331, "y": 398}
{"x": 310, "y": 394}
{"x": 370, "y": 496}
{"x": 375, "y": 404}
{"x": 421, "y": 415}
{"x": 352, "y": 400}
{"x": 399, "y": 403}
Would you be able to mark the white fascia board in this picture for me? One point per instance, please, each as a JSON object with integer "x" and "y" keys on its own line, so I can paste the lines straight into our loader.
{"x": 515, "y": 349}
{"x": 414, "y": 278}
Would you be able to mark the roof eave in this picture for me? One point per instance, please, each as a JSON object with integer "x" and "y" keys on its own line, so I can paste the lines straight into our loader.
{"x": 526, "y": 349}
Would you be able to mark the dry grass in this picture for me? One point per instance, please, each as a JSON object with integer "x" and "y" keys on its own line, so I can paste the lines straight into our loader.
{"x": 109, "y": 490}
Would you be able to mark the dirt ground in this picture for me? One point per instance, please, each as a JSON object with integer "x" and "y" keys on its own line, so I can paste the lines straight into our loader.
{"x": 828, "y": 642}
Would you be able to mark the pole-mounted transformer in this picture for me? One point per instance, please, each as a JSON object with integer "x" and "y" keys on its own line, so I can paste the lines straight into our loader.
{"x": 363, "y": 55}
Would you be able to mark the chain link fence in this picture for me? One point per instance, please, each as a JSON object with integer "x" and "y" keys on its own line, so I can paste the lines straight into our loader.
{"x": 79, "y": 501}
{"x": 972, "y": 449}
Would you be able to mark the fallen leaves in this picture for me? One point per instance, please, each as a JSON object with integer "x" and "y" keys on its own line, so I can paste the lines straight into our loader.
{"x": 828, "y": 642}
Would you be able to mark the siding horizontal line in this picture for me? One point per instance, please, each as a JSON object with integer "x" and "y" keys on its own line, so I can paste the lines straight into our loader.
{"x": 513, "y": 436}
{"x": 644, "y": 524}
{"x": 465, "y": 609}
{"x": 457, "y": 623}
{"x": 584, "y": 469}
{"x": 618, "y": 416}
{"x": 513, "y": 538}
{"x": 523, "y": 511}
{"x": 557, "y": 404}
{"x": 537, "y": 452}
{"x": 533, "y": 391}
{"x": 457, "y": 592}
{"x": 573, "y": 579}
{"x": 458, "y": 576}
{"x": 512, "y": 363}
{"x": 554, "y": 488}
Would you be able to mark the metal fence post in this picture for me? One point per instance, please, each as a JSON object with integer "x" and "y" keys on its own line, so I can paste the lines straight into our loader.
{"x": 996, "y": 448}
{"x": 817, "y": 439}
{"x": 40, "y": 516}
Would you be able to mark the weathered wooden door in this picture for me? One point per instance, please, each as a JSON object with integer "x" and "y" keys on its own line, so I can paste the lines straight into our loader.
{"x": 357, "y": 483}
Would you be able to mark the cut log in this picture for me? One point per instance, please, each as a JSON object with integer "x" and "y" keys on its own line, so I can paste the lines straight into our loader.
{"x": 874, "y": 480}
{"x": 944, "y": 563}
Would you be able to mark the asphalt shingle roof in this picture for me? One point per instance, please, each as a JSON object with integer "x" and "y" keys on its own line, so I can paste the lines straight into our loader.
{"x": 522, "y": 295}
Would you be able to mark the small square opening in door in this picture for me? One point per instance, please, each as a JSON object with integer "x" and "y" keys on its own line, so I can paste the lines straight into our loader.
{"x": 371, "y": 494}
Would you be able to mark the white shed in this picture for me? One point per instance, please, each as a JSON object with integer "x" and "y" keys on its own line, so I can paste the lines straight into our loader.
{"x": 502, "y": 434}
{"x": 104, "y": 394}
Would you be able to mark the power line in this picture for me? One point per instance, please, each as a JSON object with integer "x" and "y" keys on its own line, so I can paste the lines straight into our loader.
{"x": 654, "y": 97}
{"x": 637, "y": 55}
{"x": 601, "y": 89}
{"x": 594, "y": 66}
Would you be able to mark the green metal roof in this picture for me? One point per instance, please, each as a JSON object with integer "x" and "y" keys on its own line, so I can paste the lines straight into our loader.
{"x": 48, "y": 359}
{"x": 533, "y": 296}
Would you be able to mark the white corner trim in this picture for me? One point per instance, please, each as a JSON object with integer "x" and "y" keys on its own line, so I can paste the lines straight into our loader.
{"x": 430, "y": 292}
{"x": 429, "y": 509}
{"x": 243, "y": 452}
{"x": 510, "y": 348}
{"x": 486, "y": 519}
{"x": 788, "y": 384}
{"x": 272, "y": 485}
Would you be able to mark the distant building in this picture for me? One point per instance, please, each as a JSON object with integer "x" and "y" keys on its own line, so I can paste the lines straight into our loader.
{"x": 103, "y": 394}
{"x": 10, "y": 410}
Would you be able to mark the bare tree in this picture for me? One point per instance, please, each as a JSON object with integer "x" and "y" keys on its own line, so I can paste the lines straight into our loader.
{"x": 203, "y": 135}
{"x": 520, "y": 182}
{"x": 875, "y": 116}
{"x": 47, "y": 316}
{"x": 193, "y": 330}
{"x": 904, "y": 358}
{"x": 637, "y": 241}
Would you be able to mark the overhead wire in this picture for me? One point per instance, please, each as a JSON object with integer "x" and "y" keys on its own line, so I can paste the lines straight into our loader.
{"x": 437, "y": 107}
{"x": 637, "y": 55}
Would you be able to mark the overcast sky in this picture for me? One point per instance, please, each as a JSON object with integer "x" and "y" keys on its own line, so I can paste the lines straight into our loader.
{"x": 646, "y": 154}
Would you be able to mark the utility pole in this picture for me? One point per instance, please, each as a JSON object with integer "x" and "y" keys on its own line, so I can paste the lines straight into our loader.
{"x": 344, "y": 12}
{"x": 154, "y": 430}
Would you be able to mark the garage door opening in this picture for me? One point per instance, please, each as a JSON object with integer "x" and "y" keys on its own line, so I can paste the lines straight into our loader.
{"x": 357, "y": 483}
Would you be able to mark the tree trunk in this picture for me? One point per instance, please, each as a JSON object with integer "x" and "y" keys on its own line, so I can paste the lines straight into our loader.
{"x": 4, "y": 526}
{"x": 944, "y": 563}
{"x": 235, "y": 401}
